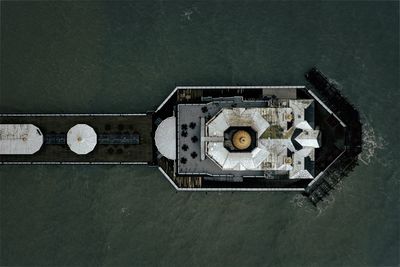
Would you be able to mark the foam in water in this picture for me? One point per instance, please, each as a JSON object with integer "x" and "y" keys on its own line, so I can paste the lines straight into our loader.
{"x": 187, "y": 13}
{"x": 301, "y": 201}
{"x": 371, "y": 143}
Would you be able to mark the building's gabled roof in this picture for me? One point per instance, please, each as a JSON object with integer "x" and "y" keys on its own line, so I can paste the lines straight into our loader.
{"x": 304, "y": 125}
{"x": 299, "y": 171}
{"x": 237, "y": 117}
{"x": 236, "y": 161}
{"x": 299, "y": 107}
{"x": 308, "y": 138}
{"x": 217, "y": 125}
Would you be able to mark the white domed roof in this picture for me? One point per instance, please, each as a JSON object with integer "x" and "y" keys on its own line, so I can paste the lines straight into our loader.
{"x": 165, "y": 138}
{"x": 22, "y": 139}
{"x": 81, "y": 139}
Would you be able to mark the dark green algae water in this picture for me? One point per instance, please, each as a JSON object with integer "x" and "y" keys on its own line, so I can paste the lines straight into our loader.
{"x": 127, "y": 57}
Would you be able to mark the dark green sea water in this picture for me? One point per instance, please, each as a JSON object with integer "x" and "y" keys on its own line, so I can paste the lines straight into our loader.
{"x": 126, "y": 57}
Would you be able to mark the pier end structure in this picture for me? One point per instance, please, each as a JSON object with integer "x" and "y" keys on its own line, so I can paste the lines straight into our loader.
{"x": 195, "y": 169}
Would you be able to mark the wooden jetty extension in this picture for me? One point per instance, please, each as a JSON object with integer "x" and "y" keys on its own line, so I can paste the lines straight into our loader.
{"x": 121, "y": 138}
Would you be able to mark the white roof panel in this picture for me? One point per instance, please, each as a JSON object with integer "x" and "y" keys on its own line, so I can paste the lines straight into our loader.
{"x": 218, "y": 152}
{"x": 236, "y": 161}
{"x": 304, "y": 125}
{"x": 298, "y": 106}
{"x": 22, "y": 139}
{"x": 218, "y": 125}
{"x": 259, "y": 123}
{"x": 308, "y": 138}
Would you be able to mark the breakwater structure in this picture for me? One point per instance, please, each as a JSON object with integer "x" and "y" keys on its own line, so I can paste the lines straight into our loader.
{"x": 339, "y": 164}
{"x": 208, "y": 138}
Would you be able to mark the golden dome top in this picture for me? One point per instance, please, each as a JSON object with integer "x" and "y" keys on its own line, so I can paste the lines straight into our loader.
{"x": 241, "y": 140}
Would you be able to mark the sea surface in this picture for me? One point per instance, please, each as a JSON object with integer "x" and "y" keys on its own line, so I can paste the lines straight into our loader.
{"x": 111, "y": 57}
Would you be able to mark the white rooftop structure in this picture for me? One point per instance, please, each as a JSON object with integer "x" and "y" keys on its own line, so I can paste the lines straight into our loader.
{"x": 298, "y": 107}
{"x": 20, "y": 139}
{"x": 308, "y": 138}
{"x": 237, "y": 117}
{"x": 81, "y": 139}
{"x": 278, "y": 129}
{"x": 236, "y": 161}
{"x": 226, "y": 118}
{"x": 165, "y": 138}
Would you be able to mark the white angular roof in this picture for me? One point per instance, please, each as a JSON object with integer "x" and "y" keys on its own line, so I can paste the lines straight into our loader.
{"x": 308, "y": 138}
{"x": 218, "y": 125}
{"x": 165, "y": 138}
{"x": 236, "y": 161}
{"x": 302, "y": 174}
{"x": 22, "y": 139}
{"x": 278, "y": 153}
{"x": 298, "y": 106}
{"x": 237, "y": 117}
{"x": 304, "y": 125}
{"x": 81, "y": 139}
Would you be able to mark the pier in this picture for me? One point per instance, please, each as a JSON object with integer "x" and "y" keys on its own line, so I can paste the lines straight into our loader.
{"x": 301, "y": 138}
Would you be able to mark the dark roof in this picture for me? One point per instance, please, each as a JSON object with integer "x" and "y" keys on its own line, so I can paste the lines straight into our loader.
{"x": 296, "y": 144}
{"x": 309, "y": 114}
{"x": 309, "y": 165}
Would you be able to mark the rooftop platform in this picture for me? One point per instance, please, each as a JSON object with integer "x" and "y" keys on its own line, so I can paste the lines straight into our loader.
{"x": 193, "y": 107}
{"x": 55, "y": 126}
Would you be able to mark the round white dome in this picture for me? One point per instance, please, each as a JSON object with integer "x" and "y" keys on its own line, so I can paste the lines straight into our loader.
{"x": 81, "y": 139}
{"x": 165, "y": 138}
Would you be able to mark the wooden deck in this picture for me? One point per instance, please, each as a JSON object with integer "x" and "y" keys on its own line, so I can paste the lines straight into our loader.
{"x": 141, "y": 124}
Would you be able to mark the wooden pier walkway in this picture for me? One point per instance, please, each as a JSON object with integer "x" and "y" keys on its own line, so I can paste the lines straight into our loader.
{"x": 137, "y": 125}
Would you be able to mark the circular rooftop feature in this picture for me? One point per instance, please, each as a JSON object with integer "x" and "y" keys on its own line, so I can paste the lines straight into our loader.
{"x": 165, "y": 138}
{"x": 241, "y": 140}
{"x": 81, "y": 139}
